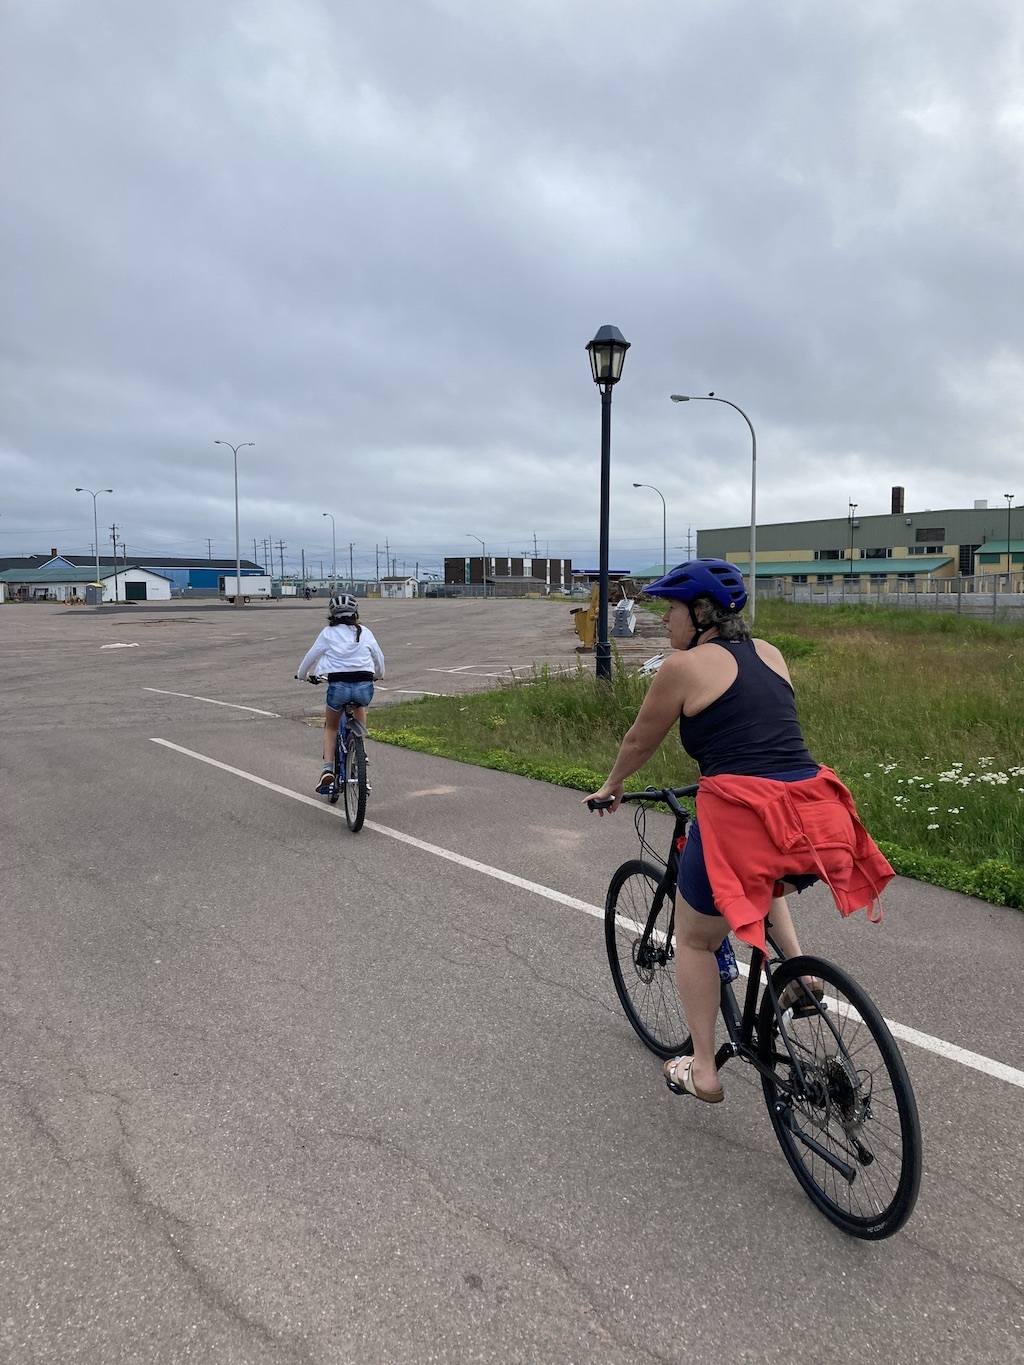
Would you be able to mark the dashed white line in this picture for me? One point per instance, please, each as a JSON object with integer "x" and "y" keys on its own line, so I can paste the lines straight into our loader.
{"x": 987, "y": 1065}
{"x": 213, "y": 702}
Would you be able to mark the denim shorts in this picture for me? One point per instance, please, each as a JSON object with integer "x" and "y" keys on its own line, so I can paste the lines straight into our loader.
{"x": 359, "y": 694}
{"x": 693, "y": 883}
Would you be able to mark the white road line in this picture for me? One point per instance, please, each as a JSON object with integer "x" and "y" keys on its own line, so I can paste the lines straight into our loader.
{"x": 415, "y": 691}
{"x": 234, "y": 705}
{"x": 975, "y": 1060}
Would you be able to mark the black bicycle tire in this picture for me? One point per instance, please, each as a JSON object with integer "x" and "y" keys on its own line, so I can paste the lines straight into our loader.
{"x": 662, "y": 995}
{"x": 897, "y": 1206}
{"x": 355, "y": 783}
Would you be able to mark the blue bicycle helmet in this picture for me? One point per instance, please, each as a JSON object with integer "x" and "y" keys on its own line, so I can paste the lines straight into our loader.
{"x": 714, "y": 578}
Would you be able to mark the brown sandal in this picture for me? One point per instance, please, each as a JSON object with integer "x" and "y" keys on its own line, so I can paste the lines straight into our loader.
{"x": 682, "y": 1082}
{"x": 802, "y": 998}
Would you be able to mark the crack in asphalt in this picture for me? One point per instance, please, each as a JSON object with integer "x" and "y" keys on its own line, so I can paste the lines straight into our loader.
{"x": 557, "y": 1265}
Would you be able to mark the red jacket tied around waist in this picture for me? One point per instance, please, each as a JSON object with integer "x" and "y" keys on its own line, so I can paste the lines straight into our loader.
{"x": 756, "y": 831}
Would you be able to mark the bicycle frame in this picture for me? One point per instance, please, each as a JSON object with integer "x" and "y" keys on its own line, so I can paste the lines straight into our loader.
{"x": 740, "y": 1024}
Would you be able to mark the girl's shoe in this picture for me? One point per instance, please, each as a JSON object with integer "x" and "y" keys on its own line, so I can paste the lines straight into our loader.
{"x": 326, "y": 780}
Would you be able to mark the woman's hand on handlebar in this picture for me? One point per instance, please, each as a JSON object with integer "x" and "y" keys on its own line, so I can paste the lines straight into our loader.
{"x": 605, "y": 799}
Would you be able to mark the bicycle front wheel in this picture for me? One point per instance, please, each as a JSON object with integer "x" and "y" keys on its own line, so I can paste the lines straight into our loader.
{"x": 638, "y": 931}
{"x": 355, "y": 783}
{"x": 841, "y": 1102}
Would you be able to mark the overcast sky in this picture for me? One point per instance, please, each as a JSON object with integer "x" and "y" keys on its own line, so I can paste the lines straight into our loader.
{"x": 374, "y": 239}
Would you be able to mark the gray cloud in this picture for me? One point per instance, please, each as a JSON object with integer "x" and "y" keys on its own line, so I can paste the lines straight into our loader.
{"x": 375, "y": 240}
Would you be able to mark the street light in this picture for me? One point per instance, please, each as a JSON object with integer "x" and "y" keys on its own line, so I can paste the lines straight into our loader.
{"x": 664, "y": 522}
{"x": 853, "y": 508}
{"x": 607, "y": 355}
{"x": 238, "y": 544}
{"x": 710, "y": 398}
{"x": 483, "y": 554}
{"x": 96, "y": 531}
{"x": 334, "y": 557}
{"x": 1009, "y": 562}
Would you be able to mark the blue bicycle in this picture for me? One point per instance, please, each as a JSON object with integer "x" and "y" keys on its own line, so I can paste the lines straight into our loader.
{"x": 349, "y": 766}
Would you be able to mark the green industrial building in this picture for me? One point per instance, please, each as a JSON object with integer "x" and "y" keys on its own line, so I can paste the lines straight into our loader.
{"x": 945, "y": 550}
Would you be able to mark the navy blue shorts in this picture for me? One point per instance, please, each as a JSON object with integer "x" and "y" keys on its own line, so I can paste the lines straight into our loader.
{"x": 358, "y": 693}
{"x": 693, "y": 883}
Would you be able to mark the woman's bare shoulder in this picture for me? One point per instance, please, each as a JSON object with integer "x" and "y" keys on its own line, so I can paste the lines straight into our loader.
{"x": 773, "y": 657}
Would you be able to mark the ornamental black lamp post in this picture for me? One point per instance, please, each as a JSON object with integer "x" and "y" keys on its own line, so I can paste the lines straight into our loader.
{"x": 607, "y": 353}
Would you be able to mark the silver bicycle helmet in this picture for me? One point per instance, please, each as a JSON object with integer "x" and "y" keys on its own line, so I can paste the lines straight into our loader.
{"x": 342, "y": 608}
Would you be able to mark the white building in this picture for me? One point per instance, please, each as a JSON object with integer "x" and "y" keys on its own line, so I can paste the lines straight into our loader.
{"x": 399, "y": 587}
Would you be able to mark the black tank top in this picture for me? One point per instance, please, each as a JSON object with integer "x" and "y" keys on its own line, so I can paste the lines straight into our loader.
{"x": 752, "y": 729}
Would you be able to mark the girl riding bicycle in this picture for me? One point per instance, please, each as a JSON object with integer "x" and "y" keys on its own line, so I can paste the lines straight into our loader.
{"x": 350, "y": 656}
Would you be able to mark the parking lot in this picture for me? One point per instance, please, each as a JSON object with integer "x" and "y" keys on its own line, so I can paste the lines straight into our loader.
{"x": 272, "y": 1092}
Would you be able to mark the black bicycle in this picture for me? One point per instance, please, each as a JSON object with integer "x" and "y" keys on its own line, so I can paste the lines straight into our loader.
{"x": 349, "y": 766}
{"x": 836, "y": 1087}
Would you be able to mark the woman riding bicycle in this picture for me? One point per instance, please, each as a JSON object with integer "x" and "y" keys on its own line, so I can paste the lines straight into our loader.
{"x": 351, "y": 657}
{"x": 732, "y": 698}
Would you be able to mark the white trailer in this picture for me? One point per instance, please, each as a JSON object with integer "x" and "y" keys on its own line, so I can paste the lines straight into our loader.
{"x": 253, "y": 585}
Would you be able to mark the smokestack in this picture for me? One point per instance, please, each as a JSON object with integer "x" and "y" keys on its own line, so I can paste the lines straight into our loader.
{"x": 897, "y": 498}
{"x": 53, "y": 553}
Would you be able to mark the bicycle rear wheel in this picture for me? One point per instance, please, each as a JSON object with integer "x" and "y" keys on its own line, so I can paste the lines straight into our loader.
{"x": 643, "y": 967}
{"x": 849, "y": 1128}
{"x": 355, "y": 782}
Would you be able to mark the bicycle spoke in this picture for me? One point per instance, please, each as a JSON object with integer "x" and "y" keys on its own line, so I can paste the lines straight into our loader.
{"x": 854, "y": 1103}
{"x": 642, "y": 958}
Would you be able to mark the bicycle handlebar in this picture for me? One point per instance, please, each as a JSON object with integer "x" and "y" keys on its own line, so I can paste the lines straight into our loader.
{"x": 667, "y": 796}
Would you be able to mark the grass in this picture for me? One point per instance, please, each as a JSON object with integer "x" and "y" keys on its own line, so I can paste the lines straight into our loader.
{"x": 921, "y": 714}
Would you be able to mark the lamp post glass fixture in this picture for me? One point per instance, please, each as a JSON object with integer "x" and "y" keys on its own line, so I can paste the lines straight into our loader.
{"x": 96, "y": 531}
{"x": 607, "y": 355}
{"x": 334, "y": 557}
{"x": 238, "y": 543}
{"x": 664, "y": 523}
{"x": 483, "y": 555}
{"x": 710, "y": 398}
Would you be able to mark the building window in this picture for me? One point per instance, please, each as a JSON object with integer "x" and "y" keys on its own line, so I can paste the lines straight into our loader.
{"x": 825, "y": 577}
{"x": 828, "y": 554}
{"x": 931, "y": 534}
{"x": 799, "y": 578}
{"x": 924, "y": 549}
{"x": 907, "y": 577}
{"x": 966, "y": 564}
{"x": 879, "y": 552}
{"x": 878, "y": 577}
{"x": 990, "y": 559}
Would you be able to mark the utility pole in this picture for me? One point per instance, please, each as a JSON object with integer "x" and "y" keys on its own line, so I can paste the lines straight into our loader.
{"x": 351, "y": 571}
{"x": 376, "y": 551}
{"x": 281, "y": 549}
{"x": 209, "y": 548}
{"x": 113, "y": 537}
{"x": 255, "y": 556}
{"x": 303, "y": 567}
{"x": 535, "y": 556}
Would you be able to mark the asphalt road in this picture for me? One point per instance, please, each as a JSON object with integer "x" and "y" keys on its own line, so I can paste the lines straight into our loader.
{"x": 275, "y": 1093}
